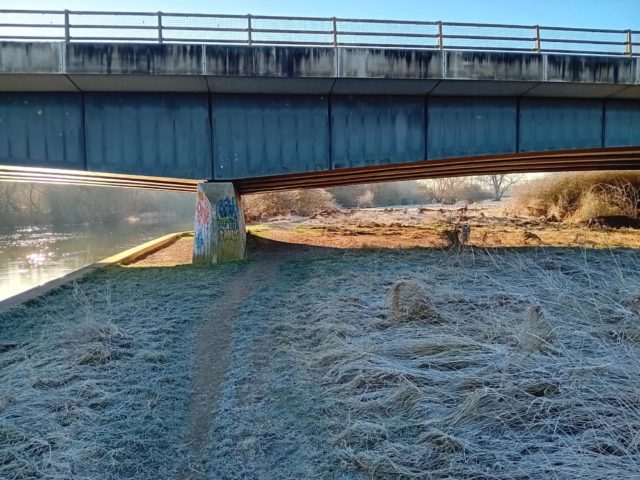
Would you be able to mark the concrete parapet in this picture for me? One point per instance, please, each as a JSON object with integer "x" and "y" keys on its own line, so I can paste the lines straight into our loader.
{"x": 312, "y": 70}
{"x": 220, "y": 234}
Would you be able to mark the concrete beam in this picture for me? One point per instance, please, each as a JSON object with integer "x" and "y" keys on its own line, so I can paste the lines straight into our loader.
{"x": 310, "y": 86}
{"x": 382, "y": 86}
{"x": 139, "y": 83}
{"x": 574, "y": 90}
{"x": 630, "y": 92}
{"x": 482, "y": 88}
{"x": 16, "y": 82}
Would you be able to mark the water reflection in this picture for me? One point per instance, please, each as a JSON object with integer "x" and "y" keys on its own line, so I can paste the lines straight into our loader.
{"x": 30, "y": 256}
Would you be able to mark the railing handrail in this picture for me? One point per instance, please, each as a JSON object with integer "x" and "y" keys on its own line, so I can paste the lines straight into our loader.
{"x": 330, "y": 31}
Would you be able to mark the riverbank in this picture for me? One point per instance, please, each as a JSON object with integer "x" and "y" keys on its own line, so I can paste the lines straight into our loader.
{"x": 32, "y": 256}
{"x": 289, "y": 365}
{"x": 130, "y": 256}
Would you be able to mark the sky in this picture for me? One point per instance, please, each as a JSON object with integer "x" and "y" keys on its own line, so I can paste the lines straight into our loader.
{"x": 615, "y": 14}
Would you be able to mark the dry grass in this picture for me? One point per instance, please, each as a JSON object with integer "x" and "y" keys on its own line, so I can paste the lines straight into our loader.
{"x": 453, "y": 228}
{"x": 408, "y": 302}
{"x": 95, "y": 379}
{"x": 532, "y": 372}
{"x": 261, "y": 206}
{"x": 581, "y": 196}
{"x": 532, "y": 369}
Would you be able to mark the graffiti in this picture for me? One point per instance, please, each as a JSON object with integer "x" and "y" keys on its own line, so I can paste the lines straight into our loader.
{"x": 219, "y": 228}
{"x": 202, "y": 240}
{"x": 227, "y": 216}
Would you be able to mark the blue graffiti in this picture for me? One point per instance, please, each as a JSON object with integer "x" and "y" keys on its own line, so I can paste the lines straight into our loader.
{"x": 227, "y": 207}
{"x": 227, "y": 210}
{"x": 199, "y": 241}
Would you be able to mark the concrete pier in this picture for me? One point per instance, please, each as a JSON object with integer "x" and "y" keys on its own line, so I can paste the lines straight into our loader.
{"x": 220, "y": 234}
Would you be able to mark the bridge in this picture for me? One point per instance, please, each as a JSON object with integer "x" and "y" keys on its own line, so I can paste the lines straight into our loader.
{"x": 258, "y": 103}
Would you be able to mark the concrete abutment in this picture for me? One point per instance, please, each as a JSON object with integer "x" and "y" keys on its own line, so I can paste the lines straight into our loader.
{"x": 220, "y": 235}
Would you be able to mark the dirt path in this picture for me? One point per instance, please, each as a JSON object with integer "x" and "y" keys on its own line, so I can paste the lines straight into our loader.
{"x": 213, "y": 345}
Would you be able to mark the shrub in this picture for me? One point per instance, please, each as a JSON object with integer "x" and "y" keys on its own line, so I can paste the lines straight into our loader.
{"x": 262, "y": 206}
{"x": 581, "y": 196}
{"x": 409, "y": 192}
{"x": 366, "y": 199}
{"x": 449, "y": 190}
{"x": 472, "y": 192}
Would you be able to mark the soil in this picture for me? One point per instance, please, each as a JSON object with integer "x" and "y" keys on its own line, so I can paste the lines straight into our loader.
{"x": 178, "y": 253}
{"x": 490, "y": 225}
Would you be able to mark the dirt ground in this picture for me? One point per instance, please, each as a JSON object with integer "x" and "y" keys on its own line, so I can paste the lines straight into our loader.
{"x": 178, "y": 253}
{"x": 491, "y": 225}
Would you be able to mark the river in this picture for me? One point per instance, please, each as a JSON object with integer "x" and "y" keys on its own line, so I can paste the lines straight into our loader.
{"x": 30, "y": 256}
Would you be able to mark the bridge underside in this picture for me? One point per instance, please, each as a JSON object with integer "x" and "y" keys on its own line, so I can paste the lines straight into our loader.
{"x": 276, "y": 141}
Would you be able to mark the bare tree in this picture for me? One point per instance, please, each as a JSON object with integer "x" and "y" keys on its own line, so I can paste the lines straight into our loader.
{"x": 450, "y": 190}
{"x": 444, "y": 190}
{"x": 499, "y": 184}
{"x": 366, "y": 199}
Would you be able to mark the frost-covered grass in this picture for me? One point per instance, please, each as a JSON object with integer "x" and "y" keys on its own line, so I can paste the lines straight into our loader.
{"x": 324, "y": 385}
{"x": 98, "y": 384}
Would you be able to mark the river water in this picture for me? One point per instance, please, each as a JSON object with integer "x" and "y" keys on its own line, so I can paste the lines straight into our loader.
{"x": 30, "y": 256}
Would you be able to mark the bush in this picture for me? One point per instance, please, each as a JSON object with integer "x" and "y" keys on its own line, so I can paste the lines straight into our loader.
{"x": 410, "y": 192}
{"x": 262, "y": 206}
{"x": 449, "y": 190}
{"x": 473, "y": 192}
{"x": 581, "y": 196}
{"x": 366, "y": 199}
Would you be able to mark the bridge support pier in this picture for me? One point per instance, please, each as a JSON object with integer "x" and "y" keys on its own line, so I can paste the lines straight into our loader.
{"x": 220, "y": 234}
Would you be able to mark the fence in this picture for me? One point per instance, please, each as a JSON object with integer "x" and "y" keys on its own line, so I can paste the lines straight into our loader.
{"x": 159, "y": 27}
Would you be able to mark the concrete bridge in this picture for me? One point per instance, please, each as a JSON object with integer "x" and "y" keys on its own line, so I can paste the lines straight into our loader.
{"x": 253, "y": 117}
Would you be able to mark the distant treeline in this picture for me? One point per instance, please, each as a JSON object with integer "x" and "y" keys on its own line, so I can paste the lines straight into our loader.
{"x": 262, "y": 206}
{"x": 27, "y": 204}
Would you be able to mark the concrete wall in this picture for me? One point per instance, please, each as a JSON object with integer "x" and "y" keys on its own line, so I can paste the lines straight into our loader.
{"x": 311, "y": 70}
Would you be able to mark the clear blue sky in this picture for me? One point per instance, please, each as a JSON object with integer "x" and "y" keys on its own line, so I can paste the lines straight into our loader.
{"x": 618, "y": 14}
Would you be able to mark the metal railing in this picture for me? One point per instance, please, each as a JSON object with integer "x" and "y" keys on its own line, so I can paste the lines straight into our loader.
{"x": 159, "y": 27}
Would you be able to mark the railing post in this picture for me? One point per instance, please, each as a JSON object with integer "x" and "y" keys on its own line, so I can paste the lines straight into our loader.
{"x": 537, "y": 46}
{"x": 159, "y": 27}
{"x": 629, "y": 44}
{"x": 249, "y": 37}
{"x": 334, "y": 31}
{"x": 67, "y": 27}
{"x": 440, "y": 42}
